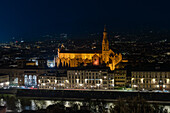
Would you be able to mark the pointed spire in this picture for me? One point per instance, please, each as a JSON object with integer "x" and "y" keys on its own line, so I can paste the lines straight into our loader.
{"x": 105, "y": 28}
{"x": 105, "y": 33}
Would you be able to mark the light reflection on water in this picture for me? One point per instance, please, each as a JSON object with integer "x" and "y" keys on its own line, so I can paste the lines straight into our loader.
{"x": 168, "y": 108}
{"x": 18, "y": 105}
{"x": 26, "y": 104}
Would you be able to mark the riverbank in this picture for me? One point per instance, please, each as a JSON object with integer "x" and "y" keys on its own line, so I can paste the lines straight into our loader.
{"x": 86, "y": 94}
{"x": 94, "y": 95}
{"x": 22, "y": 99}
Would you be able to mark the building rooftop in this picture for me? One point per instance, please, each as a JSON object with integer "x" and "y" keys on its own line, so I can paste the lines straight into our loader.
{"x": 90, "y": 68}
{"x": 154, "y": 68}
{"x": 80, "y": 51}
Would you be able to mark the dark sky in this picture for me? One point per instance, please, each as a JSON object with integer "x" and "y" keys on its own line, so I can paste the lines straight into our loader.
{"x": 34, "y": 18}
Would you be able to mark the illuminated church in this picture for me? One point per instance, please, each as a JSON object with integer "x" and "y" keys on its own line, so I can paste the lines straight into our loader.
{"x": 75, "y": 58}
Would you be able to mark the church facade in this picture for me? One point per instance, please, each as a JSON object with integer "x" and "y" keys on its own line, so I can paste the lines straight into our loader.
{"x": 75, "y": 58}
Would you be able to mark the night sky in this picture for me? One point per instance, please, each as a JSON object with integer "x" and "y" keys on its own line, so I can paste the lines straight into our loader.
{"x": 35, "y": 18}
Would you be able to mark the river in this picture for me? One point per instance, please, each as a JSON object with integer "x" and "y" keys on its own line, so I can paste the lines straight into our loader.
{"x": 19, "y": 104}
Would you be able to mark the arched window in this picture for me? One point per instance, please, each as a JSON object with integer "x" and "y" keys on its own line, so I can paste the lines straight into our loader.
{"x": 30, "y": 79}
{"x": 34, "y": 80}
{"x": 26, "y": 80}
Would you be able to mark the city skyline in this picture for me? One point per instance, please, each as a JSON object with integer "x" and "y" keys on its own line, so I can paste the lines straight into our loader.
{"x": 30, "y": 19}
{"x": 84, "y": 56}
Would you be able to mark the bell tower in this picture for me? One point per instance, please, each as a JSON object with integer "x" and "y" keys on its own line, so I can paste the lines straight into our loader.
{"x": 105, "y": 42}
{"x": 105, "y": 47}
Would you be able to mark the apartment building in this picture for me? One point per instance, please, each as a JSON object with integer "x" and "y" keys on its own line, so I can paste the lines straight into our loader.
{"x": 92, "y": 77}
{"x": 150, "y": 80}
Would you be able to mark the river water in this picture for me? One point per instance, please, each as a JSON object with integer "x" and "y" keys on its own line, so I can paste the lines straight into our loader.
{"x": 19, "y": 104}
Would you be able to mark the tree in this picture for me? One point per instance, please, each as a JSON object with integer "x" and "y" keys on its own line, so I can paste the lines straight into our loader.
{"x": 136, "y": 105}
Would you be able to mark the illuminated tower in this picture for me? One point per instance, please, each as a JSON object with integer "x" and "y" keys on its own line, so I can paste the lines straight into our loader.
{"x": 105, "y": 42}
{"x": 105, "y": 46}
